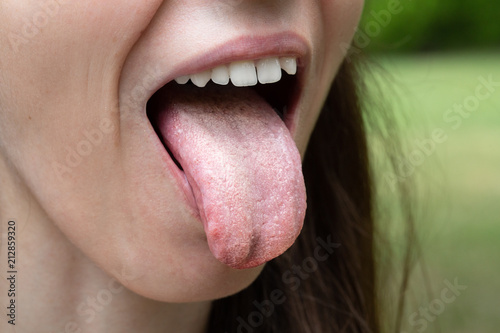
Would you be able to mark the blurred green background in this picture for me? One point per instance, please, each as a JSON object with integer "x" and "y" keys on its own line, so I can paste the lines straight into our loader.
{"x": 432, "y": 25}
{"x": 431, "y": 60}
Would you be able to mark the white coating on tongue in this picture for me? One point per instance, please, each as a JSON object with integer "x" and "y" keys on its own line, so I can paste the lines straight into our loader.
{"x": 243, "y": 167}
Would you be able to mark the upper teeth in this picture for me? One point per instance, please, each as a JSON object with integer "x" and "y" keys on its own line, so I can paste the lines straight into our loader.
{"x": 244, "y": 73}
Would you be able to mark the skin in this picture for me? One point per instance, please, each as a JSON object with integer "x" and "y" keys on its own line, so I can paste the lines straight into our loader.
{"x": 116, "y": 217}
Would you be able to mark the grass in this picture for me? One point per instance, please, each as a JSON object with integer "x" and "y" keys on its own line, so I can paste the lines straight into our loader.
{"x": 459, "y": 184}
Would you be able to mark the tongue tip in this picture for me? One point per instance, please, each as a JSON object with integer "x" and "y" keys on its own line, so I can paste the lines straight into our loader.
{"x": 248, "y": 261}
{"x": 232, "y": 256}
{"x": 260, "y": 246}
{"x": 242, "y": 263}
{"x": 246, "y": 257}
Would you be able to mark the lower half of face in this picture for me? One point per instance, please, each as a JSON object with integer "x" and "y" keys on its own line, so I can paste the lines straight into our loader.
{"x": 164, "y": 139}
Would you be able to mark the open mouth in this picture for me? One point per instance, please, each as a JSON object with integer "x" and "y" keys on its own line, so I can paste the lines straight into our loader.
{"x": 274, "y": 79}
{"x": 229, "y": 131}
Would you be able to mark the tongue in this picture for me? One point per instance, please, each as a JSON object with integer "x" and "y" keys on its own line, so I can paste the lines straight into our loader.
{"x": 243, "y": 167}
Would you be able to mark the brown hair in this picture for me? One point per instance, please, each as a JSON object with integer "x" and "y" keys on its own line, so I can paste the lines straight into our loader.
{"x": 326, "y": 281}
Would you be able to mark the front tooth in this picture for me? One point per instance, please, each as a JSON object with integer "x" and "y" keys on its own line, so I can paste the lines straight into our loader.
{"x": 201, "y": 79}
{"x": 220, "y": 75}
{"x": 269, "y": 70}
{"x": 243, "y": 73}
{"x": 182, "y": 79}
{"x": 289, "y": 65}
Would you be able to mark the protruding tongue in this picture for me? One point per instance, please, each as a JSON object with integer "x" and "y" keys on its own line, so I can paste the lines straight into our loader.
{"x": 243, "y": 167}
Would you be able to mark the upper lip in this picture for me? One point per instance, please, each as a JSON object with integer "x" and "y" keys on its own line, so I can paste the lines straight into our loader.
{"x": 246, "y": 48}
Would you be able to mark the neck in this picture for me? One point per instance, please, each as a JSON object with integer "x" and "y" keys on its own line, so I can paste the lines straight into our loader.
{"x": 57, "y": 289}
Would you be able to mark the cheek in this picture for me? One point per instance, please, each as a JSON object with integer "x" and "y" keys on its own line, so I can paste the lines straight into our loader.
{"x": 339, "y": 22}
{"x": 60, "y": 63}
{"x": 340, "y": 19}
{"x": 59, "y": 70}
{"x": 49, "y": 52}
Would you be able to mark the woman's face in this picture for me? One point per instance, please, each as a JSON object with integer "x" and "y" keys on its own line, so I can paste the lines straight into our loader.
{"x": 75, "y": 80}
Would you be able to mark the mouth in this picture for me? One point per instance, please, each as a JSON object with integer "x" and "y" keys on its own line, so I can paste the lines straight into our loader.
{"x": 274, "y": 79}
{"x": 227, "y": 131}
